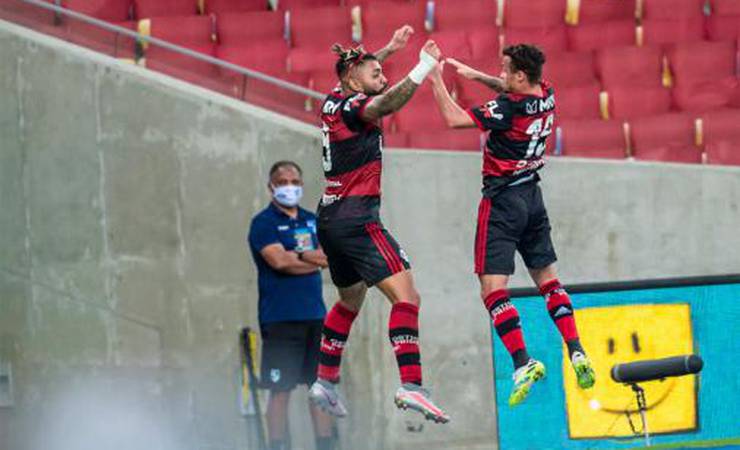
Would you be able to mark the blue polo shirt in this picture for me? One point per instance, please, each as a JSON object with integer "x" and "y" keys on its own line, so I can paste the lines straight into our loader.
{"x": 284, "y": 297}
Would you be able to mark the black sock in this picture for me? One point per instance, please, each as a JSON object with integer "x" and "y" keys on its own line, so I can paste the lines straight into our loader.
{"x": 325, "y": 443}
{"x": 574, "y": 346}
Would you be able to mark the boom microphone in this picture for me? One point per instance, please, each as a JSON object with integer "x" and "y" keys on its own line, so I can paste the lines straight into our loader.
{"x": 655, "y": 369}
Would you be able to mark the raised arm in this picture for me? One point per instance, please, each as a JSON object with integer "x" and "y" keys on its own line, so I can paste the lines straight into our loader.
{"x": 401, "y": 92}
{"x": 468, "y": 72}
{"x": 398, "y": 41}
{"x": 453, "y": 114}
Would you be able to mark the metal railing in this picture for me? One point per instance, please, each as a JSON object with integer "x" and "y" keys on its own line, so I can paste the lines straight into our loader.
{"x": 195, "y": 57}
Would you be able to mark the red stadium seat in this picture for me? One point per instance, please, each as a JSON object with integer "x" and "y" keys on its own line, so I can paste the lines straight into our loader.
{"x": 599, "y": 11}
{"x": 725, "y": 7}
{"x": 629, "y": 102}
{"x": 381, "y": 18}
{"x": 145, "y": 9}
{"x": 454, "y": 15}
{"x": 593, "y": 138}
{"x": 234, "y": 6}
{"x": 534, "y": 13}
{"x": 721, "y": 125}
{"x": 454, "y": 44}
{"x": 306, "y": 4}
{"x": 726, "y": 152}
{"x": 702, "y": 60}
{"x": 595, "y": 36}
{"x": 635, "y": 66}
{"x": 269, "y": 57}
{"x": 581, "y": 102}
{"x": 118, "y": 12}
{"x": 242, "y": 29}
{"x": 323, "y": 81}
{"x": 451, "y": 139}
{"x": 320, "y": 27}
{"x": 659, "y": 32}
{"x": 672, "y": 9}
{"x": 397, "y": 139}
{"x": 668, "y": 137}
{"x": 549, "y": 40}
{"x": 311, "y": 60}
{"x": 195, "y": 33}
{"x": 484, "y": 43}
{"x": 570, "y": 69}
{"x": 721, "y": 28}
{"x": 697, "y": 88}
{"x": 110, "y": 10}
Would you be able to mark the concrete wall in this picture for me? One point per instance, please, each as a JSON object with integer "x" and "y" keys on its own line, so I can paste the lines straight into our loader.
{"x": 124, "y": 278}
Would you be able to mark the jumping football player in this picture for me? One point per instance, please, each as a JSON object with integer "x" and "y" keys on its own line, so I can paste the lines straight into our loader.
{"x": 512, "y": 215}
{"x": 361, "y": 252}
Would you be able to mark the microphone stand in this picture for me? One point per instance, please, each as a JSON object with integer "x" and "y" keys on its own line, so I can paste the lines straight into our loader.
{"x": 642, "y": 407}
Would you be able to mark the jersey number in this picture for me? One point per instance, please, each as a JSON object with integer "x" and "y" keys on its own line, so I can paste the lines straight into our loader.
{"x": 326, "y": 158}
{"x": 539, "y": 136}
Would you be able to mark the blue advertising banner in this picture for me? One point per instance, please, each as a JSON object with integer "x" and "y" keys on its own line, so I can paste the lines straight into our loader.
{"x": 619, "y": 326}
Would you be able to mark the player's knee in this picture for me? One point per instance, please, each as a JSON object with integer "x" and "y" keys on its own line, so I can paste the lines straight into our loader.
{"x": 415, "y": 298}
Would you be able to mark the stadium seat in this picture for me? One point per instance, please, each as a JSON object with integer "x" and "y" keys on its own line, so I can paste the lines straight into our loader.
{"x": 457, "y": 139}
{"x": 110, "y": 10}
{"x": 195, "y": 33}
{"x": 721, "y": 125}
{"x": 534, "y": 13}
{"x": 586, "y": 37}
{"x": 320, "y": 27}
{"x": 118, "y": 12}
{"x": 695, "y": 87}
{"x": 381, "y": 18}
{"x": 667, "y": 137}
{"x": 145, "y": 9}
{"x": 454, "y": 15}
{"x": 269, "y": 57}
{"x": 234, "y": 6}
{"x": 672, "y": 9}
{"x": 307, "y": 4}
{"x": 570, "y": 69}
{"x": 660, "y": 32}
{"x": 455, "y": 44}
{"x": 593, "y": 138}
{"x": 600, "y": 11}
{"x": 550, "y": 40}
{"x": 629, "y": 102}
{"x": 323, "y": 81}
{"x": 580, "y": 102}
{"x": 725, "y": 152}
{"x": 725, "y": 7}
{"x": 250, "y": 28}
{"x": 484, "y": 43}
{"x": 723, "y": 28}
{"x": 634, "y": 66}
{"x": 397, "y": 139}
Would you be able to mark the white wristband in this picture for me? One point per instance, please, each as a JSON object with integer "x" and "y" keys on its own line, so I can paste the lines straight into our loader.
{"x": 422, "y": 69}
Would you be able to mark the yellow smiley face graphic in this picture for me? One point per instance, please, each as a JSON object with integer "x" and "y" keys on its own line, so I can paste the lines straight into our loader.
{"x": 626, "y": 333}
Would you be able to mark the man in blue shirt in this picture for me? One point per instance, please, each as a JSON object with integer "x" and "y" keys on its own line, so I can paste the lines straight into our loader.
{"x": 285, "y": 248}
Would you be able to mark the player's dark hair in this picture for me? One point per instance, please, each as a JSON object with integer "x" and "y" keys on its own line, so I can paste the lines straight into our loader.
{"x": 350, "y": 57}
{"x": 285, "y": 163}
{"x": 527, "y": 58}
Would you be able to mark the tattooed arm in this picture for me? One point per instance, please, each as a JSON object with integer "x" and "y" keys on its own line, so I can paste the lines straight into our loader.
{"x": 401, "y": 92}
{"x": 400, "y": 39}
{"x": 468, "y": 72}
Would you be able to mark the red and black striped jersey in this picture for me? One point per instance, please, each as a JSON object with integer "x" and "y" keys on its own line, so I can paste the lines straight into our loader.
{"x": 352, "y": 150}
{"x": 519, "y": 126}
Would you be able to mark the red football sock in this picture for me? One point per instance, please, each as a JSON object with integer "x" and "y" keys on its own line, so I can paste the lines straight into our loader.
{"x": 508, "y": 327}
{"x": 560, "y": 309}
{"x": 403, "y": 331}
{"x": 333, "y": 338}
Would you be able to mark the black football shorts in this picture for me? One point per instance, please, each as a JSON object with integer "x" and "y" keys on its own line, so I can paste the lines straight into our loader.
{"x": 514, "y": 219}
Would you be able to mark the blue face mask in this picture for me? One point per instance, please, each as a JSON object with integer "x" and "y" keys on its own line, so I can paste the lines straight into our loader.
{"x": 288, "y": 196}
